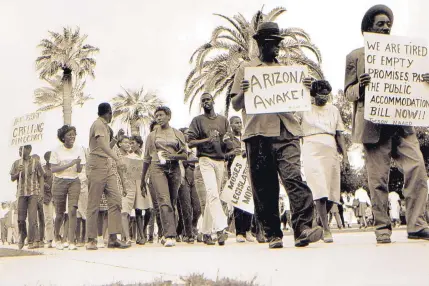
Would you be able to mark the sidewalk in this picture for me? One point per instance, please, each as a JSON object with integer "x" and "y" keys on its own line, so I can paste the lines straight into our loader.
{"x": 353, "y": 259}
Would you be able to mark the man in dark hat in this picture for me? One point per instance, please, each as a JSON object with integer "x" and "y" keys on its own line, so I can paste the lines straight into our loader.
{"x": 101, "y": 178}
{"x": 272, "y": 144}
{"x": 382, "y": 142}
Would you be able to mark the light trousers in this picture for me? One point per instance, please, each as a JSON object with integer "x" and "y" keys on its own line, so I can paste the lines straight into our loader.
{"x": 214, "y": 217}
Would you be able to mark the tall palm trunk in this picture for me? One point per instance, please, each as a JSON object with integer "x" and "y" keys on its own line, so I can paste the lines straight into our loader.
{"x": 135, "y": 128}
{"x": 67, "y": 96}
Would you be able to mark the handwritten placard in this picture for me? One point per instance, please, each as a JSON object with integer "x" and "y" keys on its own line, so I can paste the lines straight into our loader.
{"x": 276, "y": 89}
{"x": 134, "y": 168}
{"x": 397, "y": 94}
{"x": 237, "y": 190}
{"x": 27, "y": 129}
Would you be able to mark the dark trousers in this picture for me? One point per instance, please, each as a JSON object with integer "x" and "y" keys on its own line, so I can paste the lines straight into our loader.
{"x": 166, "y": 182}
{"x": 285, "y": 219}
{"x": 269, "y": 157}
{"x": 101, "y": 178}
{"x": 190, "y": 208}
{"x": 242, "y": 221}
{"x": 155, "y": 208}
{"x": 3, "y": 230}
{"x": 409, "y": 160}
{"x": 341, "y": 212}
{"x": 27, "y": 204}
{"x": 40, "y": 224}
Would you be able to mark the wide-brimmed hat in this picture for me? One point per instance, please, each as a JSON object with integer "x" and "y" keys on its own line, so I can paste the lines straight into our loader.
{"x": 268, "y": 30}
{"x": 372, "y": 12}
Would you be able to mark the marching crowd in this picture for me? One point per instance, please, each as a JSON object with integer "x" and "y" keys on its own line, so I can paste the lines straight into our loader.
{"x": 79, "y": 194}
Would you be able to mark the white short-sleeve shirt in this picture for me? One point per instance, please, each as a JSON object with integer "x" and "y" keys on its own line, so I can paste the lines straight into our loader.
{"x": 62, "y": 156}
{"x": 320, "y": 119}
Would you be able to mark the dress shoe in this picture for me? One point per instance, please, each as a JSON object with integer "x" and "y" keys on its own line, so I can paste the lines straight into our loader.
{"x": 327, "y": 237}
{"x": 91, "y": 245}
{"x": 32, "y": 245}
{"x": 422, "y": 234}
{"x": 260, "y": 238}
{"x": 383, "y": 238}
{"x": 308, "y": 236}
{"x": 208, "y": 240}
{"x": 275, "y": 242}
{"x": 200, "y": 237}
{"x": 117, "y": 244}
{"x": 222, "y": 236}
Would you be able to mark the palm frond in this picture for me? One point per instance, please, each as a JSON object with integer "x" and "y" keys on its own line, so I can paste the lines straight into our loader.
{"x": 215, "y": 63}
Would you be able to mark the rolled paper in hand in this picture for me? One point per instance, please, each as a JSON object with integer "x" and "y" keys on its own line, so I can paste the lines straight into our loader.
{"x": 162, "y": 160}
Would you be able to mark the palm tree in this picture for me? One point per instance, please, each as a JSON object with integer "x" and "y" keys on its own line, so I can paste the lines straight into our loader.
{"x": 66, "y": 53}
{"x": 217, "y": 61}
{"x": 51, "y": 97}
{"x": 136, "y": 108}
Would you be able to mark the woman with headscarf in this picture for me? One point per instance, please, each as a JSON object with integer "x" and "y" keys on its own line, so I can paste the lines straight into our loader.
{"x": 67, "y": 161}
{"x": 141, "y": 203}
{"x": 165, "y": 147}
{"x": 323, "y": 140}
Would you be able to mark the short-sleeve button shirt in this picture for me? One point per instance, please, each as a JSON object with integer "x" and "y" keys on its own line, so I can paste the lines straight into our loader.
{"x": 99, "y": 129}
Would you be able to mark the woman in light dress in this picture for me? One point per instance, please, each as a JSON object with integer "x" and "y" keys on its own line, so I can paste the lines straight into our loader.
{"x": 141, "y": 204}
{"x": 323, "y": 142}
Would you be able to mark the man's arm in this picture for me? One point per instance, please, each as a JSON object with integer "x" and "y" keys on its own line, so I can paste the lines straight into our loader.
{"x": 194, "y": 134}
{"x": 237, "y": 90}
{"x": 106, "y": 148}
{"x": 15, "y": 171}
{"x": 355, "y": 84}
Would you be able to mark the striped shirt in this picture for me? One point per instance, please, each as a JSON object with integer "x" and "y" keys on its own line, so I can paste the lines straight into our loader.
{"x": 29, "y": 178}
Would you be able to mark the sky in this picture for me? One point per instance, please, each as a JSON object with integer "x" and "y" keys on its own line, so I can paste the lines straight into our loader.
{"x": 149, "y": 43}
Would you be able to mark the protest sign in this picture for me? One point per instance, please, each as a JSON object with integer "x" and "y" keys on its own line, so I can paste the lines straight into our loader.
{"x": 134, "y": 169}
{"x": 27, "y": 129}
{"x": 397, "y": 94}
{"x": 237, "y": 190}
{"x": 276, "y": 89}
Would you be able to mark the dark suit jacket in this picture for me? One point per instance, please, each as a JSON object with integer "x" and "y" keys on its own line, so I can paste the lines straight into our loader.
{"x": 364, "y": 131}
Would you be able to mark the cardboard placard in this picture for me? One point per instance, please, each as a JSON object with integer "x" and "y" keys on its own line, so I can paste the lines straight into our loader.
{"x": 27, "y": 129}
{"x": 397, "y": 94}
{"x": 237, "y": 190}
{"x": 275, "y": 89}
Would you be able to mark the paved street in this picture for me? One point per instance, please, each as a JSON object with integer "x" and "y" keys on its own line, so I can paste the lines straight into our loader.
{"x": 353, "y": 259}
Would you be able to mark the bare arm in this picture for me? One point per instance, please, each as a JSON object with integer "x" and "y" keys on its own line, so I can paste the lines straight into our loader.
{"x": 195, "y": 143}
{"x": 341, "y": 142}
{"x": 42, "y": 185}
{"x": 55, "y": 168}
{"x": 106, "y": 148}
{"x": 113, "y": 142}
{"x": 237, "y": 101}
